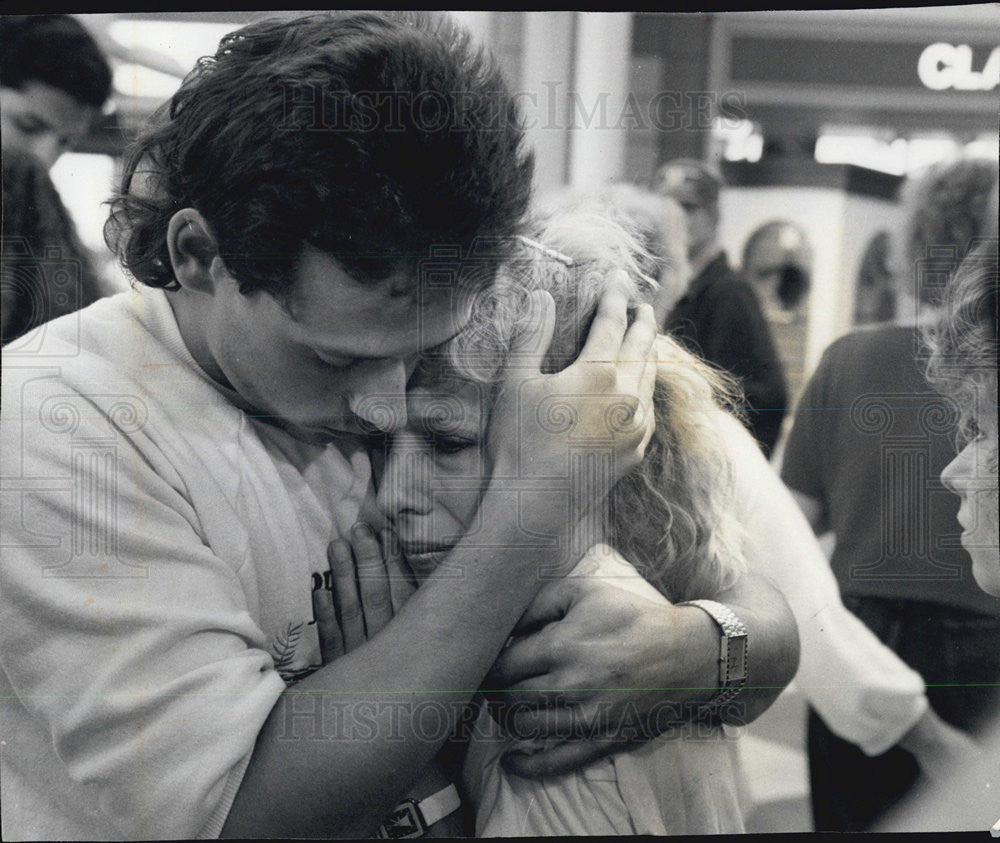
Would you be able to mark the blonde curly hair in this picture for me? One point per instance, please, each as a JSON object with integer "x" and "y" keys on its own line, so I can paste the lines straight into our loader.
{"x": 672, "y": 516}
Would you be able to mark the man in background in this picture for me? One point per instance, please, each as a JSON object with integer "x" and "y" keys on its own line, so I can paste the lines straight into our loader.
{"x": 719, "y": 316}
{"x": 53, "y": 83}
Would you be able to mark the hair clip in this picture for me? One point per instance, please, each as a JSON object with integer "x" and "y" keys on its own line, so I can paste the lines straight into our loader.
{"x": 545, "y": 250}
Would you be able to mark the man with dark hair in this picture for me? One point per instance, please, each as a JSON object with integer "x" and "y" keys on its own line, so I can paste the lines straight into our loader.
{"x": 313, "y": 211}
{"x": 53, "y": 82}
{"x": 719, "y": 316}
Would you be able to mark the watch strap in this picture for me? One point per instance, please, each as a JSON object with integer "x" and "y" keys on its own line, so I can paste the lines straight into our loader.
{"x": 438, "y": 805}
{"x": 733, "y": 649}
{"x": 412, "y": 818}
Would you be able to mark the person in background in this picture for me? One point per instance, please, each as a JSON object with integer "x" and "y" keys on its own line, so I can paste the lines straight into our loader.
{"x": 45, "y": 271}
{"x": 869, "y": 441}
{"x": 963, "y": 366}
{"x": 53, "y": 83}
{"x": 719, "y": 316}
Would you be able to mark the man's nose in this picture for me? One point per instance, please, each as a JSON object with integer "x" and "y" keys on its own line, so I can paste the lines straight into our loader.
{"x": 47, "y": 147}
{"x": 378, "y": 394}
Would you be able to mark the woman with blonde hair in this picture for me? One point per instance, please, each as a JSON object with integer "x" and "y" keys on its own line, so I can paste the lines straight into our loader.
{"x": 672, "y": 518}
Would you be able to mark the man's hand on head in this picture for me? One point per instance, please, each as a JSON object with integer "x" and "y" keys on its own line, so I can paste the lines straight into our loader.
{"x": 604, "y": 399}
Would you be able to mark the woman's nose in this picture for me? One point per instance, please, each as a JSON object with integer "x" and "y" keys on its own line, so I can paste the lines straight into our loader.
{"x": 405, "y": 488}
{"x": 951, "y": 477}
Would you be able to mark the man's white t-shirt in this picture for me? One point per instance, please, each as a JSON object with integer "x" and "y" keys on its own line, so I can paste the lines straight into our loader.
{"x": 159, "y": 547}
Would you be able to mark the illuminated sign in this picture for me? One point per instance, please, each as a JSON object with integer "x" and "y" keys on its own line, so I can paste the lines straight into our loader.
{"x": 968, "y": 67}
{"x": 942, "y": 66}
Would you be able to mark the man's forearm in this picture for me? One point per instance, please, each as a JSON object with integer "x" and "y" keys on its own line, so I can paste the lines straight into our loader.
{"x": 378, "y": 715}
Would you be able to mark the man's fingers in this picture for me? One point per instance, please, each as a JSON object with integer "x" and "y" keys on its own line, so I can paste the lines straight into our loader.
{"x": 373, "y": 582}
{"x": 528, "y": 692}
{"x": 634, "y": 356}
{"x": 560, "y": 759}
{"x": 647, "y": 383}
{"x": 551, "y": 603}
{"x": 553, "y": 722}
{"x": 647, "y": 386}
{"x": 531, "y": 345}
{"x": 331, "y": 642}
{"x": 346, "y": 601}
{"x": 525, "y": 657}
{"x": 608, "y": 328}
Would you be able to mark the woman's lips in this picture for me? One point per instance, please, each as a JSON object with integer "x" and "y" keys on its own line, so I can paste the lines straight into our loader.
{"x": 425, "y": 558}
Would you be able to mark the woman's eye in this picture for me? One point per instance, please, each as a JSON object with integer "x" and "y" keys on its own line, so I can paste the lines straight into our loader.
{"x": 451, "y": 446}
{"x": 336, "y": 361}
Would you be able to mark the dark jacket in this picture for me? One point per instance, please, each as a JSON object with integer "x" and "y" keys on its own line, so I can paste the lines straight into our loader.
{"x": 47, "y": 272}
{"x": 720, "y": 318}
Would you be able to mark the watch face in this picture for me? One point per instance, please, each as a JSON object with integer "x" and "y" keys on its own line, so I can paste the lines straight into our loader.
{"x": 402, "y": 822}
{"x": 737, "y": 658}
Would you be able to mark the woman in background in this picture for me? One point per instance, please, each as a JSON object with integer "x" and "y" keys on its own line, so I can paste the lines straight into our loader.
{"x": 963, "y": 365}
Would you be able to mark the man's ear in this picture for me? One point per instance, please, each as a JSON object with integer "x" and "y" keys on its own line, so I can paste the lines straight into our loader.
{"x": 193, "y": 250}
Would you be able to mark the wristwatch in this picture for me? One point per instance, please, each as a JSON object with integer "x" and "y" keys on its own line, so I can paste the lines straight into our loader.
{"x": 412, "y": 818}
{"x": 733, "y": 650}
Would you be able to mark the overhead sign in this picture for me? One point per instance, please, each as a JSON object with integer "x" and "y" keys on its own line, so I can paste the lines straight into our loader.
{"x": 943, "y": 66}
{"x": 841, "y": 63}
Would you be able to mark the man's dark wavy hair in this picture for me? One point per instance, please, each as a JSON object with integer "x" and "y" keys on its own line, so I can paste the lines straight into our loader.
{"x": 55, "y": 50}
{"x": 370, "y": 136}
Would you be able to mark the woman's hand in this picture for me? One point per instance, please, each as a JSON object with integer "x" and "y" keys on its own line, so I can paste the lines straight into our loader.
{"x": 603, "y": 401}
{"x": 368, "y": 584}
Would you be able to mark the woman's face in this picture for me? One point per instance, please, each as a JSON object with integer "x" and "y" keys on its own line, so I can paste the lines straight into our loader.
{"x": 972, "y": 475}
{"x": 436, "y": 470}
